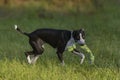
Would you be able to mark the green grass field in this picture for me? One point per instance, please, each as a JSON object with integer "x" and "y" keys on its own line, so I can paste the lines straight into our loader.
{"x": 102, "y": 36}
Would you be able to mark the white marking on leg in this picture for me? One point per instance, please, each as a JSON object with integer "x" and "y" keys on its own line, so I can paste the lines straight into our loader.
{"x": 81, "y": 55}
{"x": 16, "y": 27}
{"x": 34, "y": 59}
{"x": 29, "y": 60}
{"x": 63, "y": 63}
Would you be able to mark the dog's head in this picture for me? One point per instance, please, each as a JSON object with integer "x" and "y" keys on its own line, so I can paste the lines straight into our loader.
{"x": 79, "y": 36}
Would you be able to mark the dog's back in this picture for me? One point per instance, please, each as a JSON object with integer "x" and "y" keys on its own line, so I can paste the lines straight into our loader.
{"x": 50, "y": 36}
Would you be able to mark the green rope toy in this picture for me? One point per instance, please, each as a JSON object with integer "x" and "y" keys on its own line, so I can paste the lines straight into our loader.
{"x": 86, "y": 49}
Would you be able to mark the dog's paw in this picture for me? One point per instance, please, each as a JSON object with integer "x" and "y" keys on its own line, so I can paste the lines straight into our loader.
{"x": 82, "y": 60}
{"x": 16, "y": 27}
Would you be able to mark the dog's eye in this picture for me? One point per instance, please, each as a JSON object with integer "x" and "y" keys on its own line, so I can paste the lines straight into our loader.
{"x": 83, "y": 36}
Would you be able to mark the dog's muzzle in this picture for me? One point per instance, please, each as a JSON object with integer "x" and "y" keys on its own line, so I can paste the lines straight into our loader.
{"x": 81, "y": 42}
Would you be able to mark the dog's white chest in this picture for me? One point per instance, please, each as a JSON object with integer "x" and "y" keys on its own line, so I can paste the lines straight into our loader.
{"x": 70, "y": 43}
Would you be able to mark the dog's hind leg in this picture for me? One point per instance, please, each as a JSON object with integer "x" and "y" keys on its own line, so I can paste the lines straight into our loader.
{"x": 37, "y": 51}
{"x": 28, "y": 54}
{"x": 79, "y": 54}
{"x": 34, "y": 58}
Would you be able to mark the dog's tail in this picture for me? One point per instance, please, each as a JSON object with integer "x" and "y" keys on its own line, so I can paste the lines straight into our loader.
{"x": 19, "y": 30}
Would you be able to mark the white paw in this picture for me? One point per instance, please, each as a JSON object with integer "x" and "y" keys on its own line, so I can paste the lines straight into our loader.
{"x": 82, "y": 60}
{"x": 29, "y": 60}
{"x": 16, "y": 27}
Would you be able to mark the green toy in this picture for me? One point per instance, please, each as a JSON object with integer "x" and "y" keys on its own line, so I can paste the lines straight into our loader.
{"x": 86, "y": 49}
{"x": 91, "y": 56}
{"x": 72, "y": 47}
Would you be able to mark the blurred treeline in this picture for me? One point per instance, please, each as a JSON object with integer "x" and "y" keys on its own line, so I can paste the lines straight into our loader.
{"x": 86, "y": 6}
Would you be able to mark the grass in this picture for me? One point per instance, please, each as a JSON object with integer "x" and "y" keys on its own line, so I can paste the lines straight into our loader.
{"x": 102, "y": 36}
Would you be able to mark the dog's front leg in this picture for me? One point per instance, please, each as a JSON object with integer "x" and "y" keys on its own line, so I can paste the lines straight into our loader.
{"x": 79, "y": 54}
{"x": 60, "y": 56}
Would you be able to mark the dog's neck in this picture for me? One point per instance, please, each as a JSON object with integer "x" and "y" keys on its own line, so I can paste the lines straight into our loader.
{"x": 71, "y": 41}
{"x": 71, "y": 38}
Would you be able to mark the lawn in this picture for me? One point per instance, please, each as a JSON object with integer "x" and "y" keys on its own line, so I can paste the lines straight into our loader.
{"x": 102, "y": 36}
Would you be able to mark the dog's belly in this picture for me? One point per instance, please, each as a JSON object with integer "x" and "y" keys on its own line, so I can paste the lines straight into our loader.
{"x": 51, "y": 42}
{"x": 51, "y": 39}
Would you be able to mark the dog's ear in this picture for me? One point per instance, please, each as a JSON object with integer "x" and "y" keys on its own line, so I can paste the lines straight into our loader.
{"x": 82, "y": 29}
{"x": 83, "y": 32}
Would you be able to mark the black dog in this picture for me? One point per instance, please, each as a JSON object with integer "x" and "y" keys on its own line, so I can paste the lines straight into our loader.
{"x": 59, "y": 39}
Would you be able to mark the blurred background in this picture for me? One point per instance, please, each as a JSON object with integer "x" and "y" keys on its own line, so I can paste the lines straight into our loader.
{"x": 56, "y": 5}
{"x": 49, "y": 8}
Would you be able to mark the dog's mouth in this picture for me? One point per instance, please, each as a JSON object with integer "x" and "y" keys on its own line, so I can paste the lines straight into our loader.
{"x": 81, "y": 42}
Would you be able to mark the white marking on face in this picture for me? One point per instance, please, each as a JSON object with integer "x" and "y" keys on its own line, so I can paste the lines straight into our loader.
{"x": 81, "y": 41}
